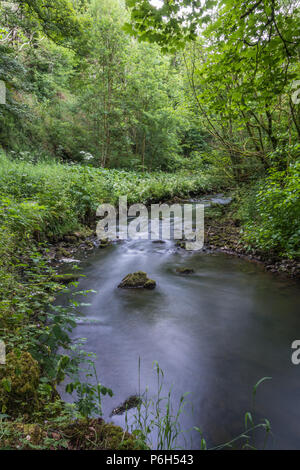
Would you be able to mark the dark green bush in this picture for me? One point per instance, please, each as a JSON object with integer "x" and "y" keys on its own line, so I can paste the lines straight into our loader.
{"x": 275, "y": 226}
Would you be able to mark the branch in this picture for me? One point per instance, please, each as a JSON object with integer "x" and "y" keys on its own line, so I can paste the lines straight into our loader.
{"x": 248, "y": 12}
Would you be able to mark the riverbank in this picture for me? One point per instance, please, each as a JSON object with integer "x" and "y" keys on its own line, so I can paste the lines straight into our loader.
{"x": 223, "y": 231}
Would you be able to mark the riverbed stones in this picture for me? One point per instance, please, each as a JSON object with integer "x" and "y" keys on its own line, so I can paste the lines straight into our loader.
{"x": 136, "y": 280}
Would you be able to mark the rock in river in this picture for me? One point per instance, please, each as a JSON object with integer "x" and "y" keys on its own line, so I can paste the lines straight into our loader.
{"x": 137, "y": 280}
{"x": 185, "y": 270}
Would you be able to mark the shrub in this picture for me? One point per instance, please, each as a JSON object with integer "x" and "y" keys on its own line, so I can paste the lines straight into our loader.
{"x": 276, "y": 226}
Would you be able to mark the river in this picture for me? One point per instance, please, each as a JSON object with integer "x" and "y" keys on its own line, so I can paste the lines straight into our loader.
{"x": 214, "y": 333}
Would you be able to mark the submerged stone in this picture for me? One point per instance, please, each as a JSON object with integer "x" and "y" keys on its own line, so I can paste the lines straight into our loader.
{"x": 139, "y": 279}
{"x": 185, "y": 270}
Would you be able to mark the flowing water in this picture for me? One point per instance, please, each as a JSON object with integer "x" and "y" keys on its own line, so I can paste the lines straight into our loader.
{"x": 214, "y": 333}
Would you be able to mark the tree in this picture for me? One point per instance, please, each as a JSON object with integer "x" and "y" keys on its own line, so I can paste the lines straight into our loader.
{"x": 240, "y": 68}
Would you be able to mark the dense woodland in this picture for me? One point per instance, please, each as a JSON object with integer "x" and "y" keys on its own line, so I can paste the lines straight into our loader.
{"x": 154, "y": 99}
{"x": 156, "y": 87}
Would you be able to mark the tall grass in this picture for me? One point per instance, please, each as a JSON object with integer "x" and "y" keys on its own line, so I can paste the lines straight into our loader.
{"x": 156, "y": 422}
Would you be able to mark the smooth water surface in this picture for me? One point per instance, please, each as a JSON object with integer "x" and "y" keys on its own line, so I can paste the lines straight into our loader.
{"x": 214, "y": 333}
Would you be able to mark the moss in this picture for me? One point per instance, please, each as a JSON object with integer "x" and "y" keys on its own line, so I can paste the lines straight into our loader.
{"x": 96, "y": 434}
{"x": 150, "y": 284}
{"x": 185, "y": 270}
{"x": 83, "y": 233}
{"x": 139, "y": 279}
{"x": 114, "y": 437}
{"x": 33, "y": 433}
{"x": 63, "y": 252}
{"x": 66, "y": 278}
{"x": 104, "y": 243}
{"x": 81, "y": 434}
{"x": 19, "y": 380}
{"x": 17, "y": 435}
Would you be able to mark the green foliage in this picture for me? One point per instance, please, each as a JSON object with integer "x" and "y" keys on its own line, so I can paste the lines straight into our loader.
{"x": 240, "y": 70}
{"x": 88, "y": 395}
{"x": 59, "y": 196}
{"x": 57, "y": 19}
{"x": 81, "y": 90}
{"x": 87, "y": 89}
{"x": 275, "y": 224}
{"x": 170, "y": 25}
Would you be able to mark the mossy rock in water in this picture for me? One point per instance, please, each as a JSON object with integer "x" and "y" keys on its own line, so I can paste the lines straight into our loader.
{"x": 104, "y": 243}
{"x": 185, "y": 270}
{"x": 139, "y": 279}
{"x": 19, "y": 380}
{"x": 180, "y": 244}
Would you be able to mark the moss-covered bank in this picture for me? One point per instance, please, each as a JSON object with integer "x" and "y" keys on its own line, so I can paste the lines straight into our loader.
{"x": 81, "y": 434}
